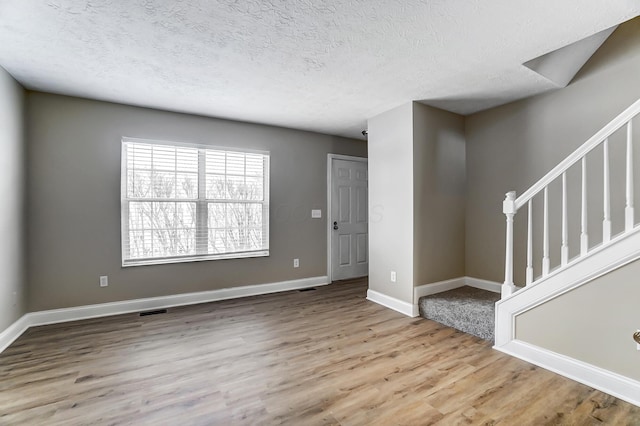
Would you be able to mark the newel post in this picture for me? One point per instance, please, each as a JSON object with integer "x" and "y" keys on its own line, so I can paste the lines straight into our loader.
{"x": 509, "y": 209}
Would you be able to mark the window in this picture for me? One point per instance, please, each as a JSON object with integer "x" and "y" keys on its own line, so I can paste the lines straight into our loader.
{"x": 185, "y": 202}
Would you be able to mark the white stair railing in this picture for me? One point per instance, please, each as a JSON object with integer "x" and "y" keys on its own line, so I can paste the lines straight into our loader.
{"x": 512, "y": 205}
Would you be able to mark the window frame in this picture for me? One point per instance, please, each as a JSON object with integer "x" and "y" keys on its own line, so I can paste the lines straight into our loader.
{"x": 201, "y": 201}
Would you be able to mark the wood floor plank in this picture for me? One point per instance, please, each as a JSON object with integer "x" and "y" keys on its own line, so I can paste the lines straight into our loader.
{"x": 323, "y": 357}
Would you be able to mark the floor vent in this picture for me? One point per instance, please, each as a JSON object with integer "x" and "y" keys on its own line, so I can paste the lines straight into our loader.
{"x": 307, "y": 289}
{"x": 159, "y": 311}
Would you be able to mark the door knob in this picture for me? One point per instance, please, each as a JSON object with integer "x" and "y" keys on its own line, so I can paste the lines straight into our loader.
{"x": 335, "y": 225}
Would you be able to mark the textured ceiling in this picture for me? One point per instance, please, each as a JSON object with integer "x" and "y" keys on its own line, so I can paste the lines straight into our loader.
{"x": 325, "y": 66}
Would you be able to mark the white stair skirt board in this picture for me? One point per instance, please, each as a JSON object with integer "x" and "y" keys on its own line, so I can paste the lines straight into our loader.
{"x": 441, "y": 286}
{"x": 606, "y": 381}
{"x": 625, "y": 248}
{"x": 136, "y": 305}
{"x": 401, "y": 306}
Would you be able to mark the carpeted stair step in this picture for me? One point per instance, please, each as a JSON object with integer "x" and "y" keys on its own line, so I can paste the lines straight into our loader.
{"x": 467, "y": 309}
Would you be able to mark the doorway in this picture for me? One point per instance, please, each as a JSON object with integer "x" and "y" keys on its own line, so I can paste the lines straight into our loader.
{"x": 347, "y": 217}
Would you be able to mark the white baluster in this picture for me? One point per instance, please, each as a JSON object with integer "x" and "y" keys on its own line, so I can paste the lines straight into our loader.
{"x": 509, "y": 209}
{"x": 545, "y": 240}
{"x": 529, "y": 274}
{"x": 564, "y": 250}
{"x": 584, "y": 236}
{"x": 628, "y": 211}
{"x": 606, "y": 222}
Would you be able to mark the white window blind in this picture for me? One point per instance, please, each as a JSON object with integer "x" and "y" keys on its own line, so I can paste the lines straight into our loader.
{"x": 186, "y": 202}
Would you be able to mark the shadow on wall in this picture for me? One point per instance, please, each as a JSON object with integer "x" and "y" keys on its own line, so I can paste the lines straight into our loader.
{"x": 625, "y": 49}
{"x": 475, "y": 103}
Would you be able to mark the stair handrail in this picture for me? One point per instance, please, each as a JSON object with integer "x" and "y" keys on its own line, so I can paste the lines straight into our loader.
{"x": 577, "y": 155}
{"x": 511, "y": 204}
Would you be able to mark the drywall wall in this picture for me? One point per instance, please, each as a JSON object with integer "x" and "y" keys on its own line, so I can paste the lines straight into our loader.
{"x": 593, "y": 323}
{"x": 511, "y": 147}
{"x": 416, "y": 198}
{"x": 12, "y": 272}
{"x": 74, "y": 201}
{"x": 438, "y": 195}
{"x": 390, "y": 146}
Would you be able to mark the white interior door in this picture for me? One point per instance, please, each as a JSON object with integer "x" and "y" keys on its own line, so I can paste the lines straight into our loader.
{"x": 349, "y": 219}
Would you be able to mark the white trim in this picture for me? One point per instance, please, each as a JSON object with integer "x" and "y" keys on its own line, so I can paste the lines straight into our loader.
{"x": 201, "y": 258}
{"x": 437, "y": 287}
{"x": 347, "y": 158}
{"x": 330, "y": 158}
{"x": 398, "y": 305}
{"x": 614, "y": 384}
{"x": 15, "y": 330}
{"x": 483, "y": 284}
{"x": 599, "y": 261}
{"x": 440, "y": 286}
{"x": 622, "y": 250}
{"x": 128, "y": 139}
{"x": 75, "y": 313}
{"x": 200, "y": 201}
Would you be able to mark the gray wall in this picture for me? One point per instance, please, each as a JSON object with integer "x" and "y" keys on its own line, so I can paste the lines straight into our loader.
{"x": 12, "y": 193}
{"x": 593, "y": 323}
{"x": 74, "y": 201}
{"x": 390, "y": 144}
{"x": 438, "y": 195}
{"x": 511, "y": 147}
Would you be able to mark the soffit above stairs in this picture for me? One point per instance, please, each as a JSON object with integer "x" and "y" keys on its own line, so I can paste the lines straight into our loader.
{"x": 561, "y": 65}
{"x": 320, "y": 66}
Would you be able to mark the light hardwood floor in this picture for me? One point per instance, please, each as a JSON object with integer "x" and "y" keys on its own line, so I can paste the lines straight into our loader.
{"x": 301, "y": 358}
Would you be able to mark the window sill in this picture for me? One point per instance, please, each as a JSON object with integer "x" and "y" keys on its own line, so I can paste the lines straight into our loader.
{"x": 186, "y": 259}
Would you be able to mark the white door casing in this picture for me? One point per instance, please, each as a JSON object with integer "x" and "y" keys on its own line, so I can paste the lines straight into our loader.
{"x": 348, "y": 203}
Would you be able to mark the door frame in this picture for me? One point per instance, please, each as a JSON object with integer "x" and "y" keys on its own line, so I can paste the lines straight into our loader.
{"x": 330, "y": 158}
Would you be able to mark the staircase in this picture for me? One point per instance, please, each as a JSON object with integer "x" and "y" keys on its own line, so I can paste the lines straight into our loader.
{"x": 561, "y": 274}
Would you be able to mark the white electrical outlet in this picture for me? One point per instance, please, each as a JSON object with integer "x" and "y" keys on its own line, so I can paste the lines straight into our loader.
{"x": 316, "y": 214}
{"x": 15, "y": 298}
{"x": 393, "y": 276}
{"x": 296, "y": 263}
{"x": 104, "y": 281}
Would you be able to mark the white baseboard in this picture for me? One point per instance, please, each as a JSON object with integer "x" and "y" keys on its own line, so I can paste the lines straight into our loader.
{"x": 136, "y": 305}
{"x": 401, "y": 306}
{"x": 14, "y": 331}
{"x": 440, "y": 286}
{"x": 606, "y": 381}
{"x": 483, "y": 284}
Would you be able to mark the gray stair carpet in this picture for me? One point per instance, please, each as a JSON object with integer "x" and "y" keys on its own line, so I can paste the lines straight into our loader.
{"x": 467, "y": 309}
